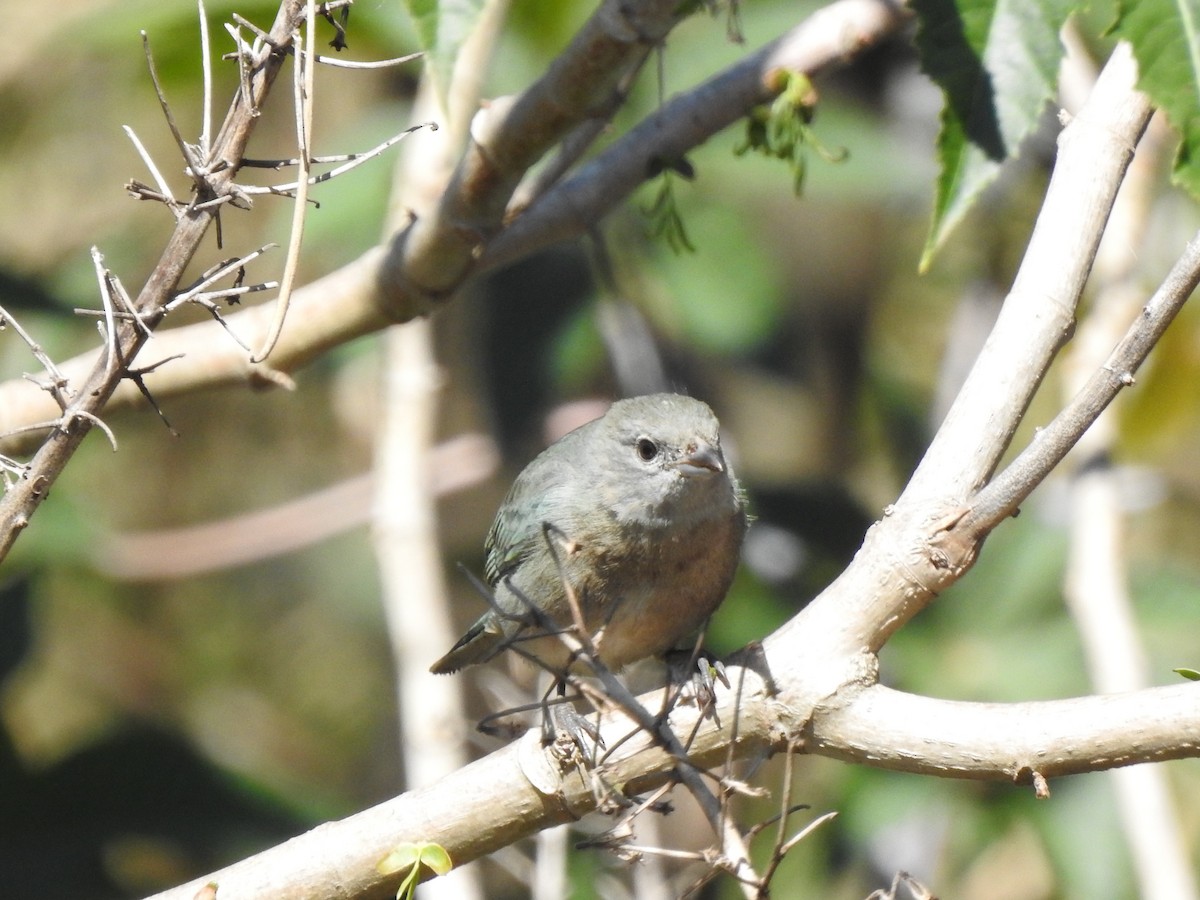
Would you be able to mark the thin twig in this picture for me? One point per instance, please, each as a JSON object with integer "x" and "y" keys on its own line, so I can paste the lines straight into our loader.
{"x": 206, "y": 68}
{"x": 366, "y": 64}
{"x": 111, "y": 351}
{"x": 215, "y": 274}
{"x": 164, "y": 189}
{"x": 259, "y": 33}
{"x": 354, "y": 161}
{"x": 127, "y": 304}
{"x": 240, "y": 290}
{"x": 59, "y": 388}
{"x": 215, "y": 312}
{"x": 303, "y": 86}
{"x": 243, "y": 54}
{"x": 194, "y": 167}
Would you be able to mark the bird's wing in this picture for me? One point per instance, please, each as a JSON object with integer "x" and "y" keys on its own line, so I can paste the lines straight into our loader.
{"x": 538, "y": 496}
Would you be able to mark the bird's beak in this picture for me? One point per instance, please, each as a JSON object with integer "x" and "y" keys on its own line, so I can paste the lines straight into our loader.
{"x": 701, "y": 459}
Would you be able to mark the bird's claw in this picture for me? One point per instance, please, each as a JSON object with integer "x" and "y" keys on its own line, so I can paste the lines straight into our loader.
{"x": 701, "y": 684}
{"x": 582, "y": 732}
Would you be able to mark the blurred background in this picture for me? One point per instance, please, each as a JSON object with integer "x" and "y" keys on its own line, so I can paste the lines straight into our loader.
{"x": 171, "y": 701}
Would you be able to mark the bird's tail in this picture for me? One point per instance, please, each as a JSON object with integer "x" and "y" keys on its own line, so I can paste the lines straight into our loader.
{"x": 482, "y": 641}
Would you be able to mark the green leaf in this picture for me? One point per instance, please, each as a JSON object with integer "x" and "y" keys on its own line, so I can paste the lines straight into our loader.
{"x": 435, "y": 858}
{"x": 409, "y": 858}
{"x": 442, "y": 26}
{"x": 1165, "y": 35}
{"x": 996, "y": 62}
{"x": 783, "y": 130}
{"x": 1189, "y": 674}
{"x": 421, "y": 853}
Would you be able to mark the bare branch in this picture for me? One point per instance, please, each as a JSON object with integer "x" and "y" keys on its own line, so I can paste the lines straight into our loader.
{"x": 302, "y": 85}
{"x": 1009, "y": 741}
{"x": 830, "y": 36}
{"x": 509, "y": 136}
{"x": 1004, "y": 494}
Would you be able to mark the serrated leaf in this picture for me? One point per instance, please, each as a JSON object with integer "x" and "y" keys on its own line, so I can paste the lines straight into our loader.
{"x": 442, "y": 26}
{"x": 1165, "y": 35}
{"x": 996, "y": 62}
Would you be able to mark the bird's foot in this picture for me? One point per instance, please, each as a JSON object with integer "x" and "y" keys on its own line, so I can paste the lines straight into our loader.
{"x": 566, "y": 722}
{"x": 698, "y": 681}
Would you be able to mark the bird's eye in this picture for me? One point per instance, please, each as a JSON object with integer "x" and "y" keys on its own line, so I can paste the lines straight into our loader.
{"x": 646, "y": 449}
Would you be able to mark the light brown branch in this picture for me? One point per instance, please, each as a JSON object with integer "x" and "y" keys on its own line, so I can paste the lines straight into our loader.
{"x": 1002, "y": 496}
{"x": 1010, "y": 741}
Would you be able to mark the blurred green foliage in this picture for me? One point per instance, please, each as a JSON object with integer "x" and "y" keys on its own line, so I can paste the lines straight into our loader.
{"x": 803, "y": 321}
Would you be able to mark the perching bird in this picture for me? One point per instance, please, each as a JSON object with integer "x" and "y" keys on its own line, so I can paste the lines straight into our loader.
{"x": 639, "y": 512}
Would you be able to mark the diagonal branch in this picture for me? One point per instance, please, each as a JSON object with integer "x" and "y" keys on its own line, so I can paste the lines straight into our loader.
{"x": 1001, "y": 498}
{"x": 432, "y": 259}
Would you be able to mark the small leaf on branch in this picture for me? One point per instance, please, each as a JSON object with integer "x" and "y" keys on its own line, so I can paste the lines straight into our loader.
{"x": 783, "y": 130}
{"x": 663, "y": 213}
{"x": 409, "y": 858}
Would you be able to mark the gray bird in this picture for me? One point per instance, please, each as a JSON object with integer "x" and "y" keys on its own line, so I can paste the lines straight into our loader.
{"x": 639, "y": 512}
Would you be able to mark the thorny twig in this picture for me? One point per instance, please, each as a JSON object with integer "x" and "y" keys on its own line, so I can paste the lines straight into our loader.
{"x": 302, "y": 86}
{"x": 352, "y": 160}
{"x": 215, "y": 274}
{"x": 58, "y": 388}
{"x": 107, "y": 289}
{"x": 143, "y": 192}
{"x": 136, "y": 376}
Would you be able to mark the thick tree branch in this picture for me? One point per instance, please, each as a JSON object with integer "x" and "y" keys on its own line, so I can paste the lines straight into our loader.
{"x": 1094, "y": 150}
{"x": 919, "y": 547}
{"x": 1012, "y": 741}
{"x": 526, "y": 790}
{"x": 431, "y": 259}
{"x": 522, "y": 788}
{"x": 830, "y": 36}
